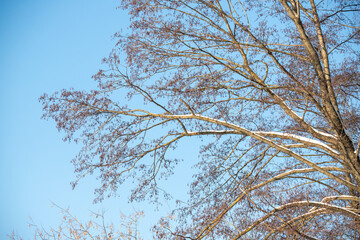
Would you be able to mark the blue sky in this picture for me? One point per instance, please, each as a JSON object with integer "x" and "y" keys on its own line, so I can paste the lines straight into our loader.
{"x": 45, "y": 46}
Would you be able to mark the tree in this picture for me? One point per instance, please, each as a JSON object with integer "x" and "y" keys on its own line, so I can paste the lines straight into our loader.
{"x": 271, "y": 87}
{"x": 96, "y": 228}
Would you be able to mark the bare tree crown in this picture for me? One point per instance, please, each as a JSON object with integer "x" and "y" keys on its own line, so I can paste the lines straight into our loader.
{"x": 273, "y": 87}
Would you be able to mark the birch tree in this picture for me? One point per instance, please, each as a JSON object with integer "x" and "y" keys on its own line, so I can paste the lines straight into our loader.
{"x": 271, "y": 88}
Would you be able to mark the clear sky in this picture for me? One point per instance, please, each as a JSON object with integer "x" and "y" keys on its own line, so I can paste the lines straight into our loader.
{"x": 47, "y": 45}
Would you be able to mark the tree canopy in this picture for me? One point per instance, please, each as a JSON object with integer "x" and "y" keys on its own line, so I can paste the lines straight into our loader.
{"x": 272, "y": 89}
